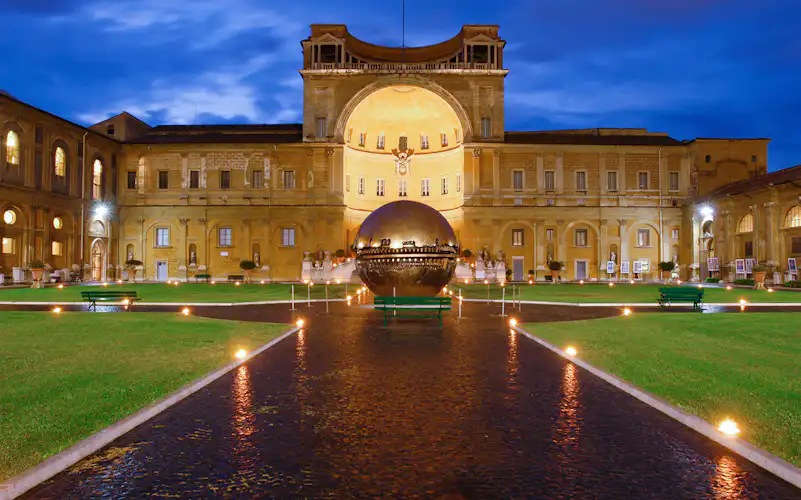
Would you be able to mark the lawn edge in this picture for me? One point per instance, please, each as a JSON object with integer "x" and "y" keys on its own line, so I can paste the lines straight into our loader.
{"x": 762, "y": 458}
{"x": 17, "y": 485}
{"x": 179, "y": 304}
{"x": 635, "y": 304}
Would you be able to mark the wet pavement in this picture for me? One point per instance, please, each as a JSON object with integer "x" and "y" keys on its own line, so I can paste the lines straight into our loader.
{"x": 348, "y": 408}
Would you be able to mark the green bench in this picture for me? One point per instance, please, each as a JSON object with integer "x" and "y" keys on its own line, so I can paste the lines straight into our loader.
{"x": 96, "y": 296}
{"x": 670, "y": 295}
{"x": 236, "y": 277}
{"x": 203, "y": 276}
{"x": 413, "y": 307}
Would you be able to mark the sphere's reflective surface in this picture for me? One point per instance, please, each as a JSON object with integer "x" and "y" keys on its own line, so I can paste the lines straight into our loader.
{"x": 407, "y": 248}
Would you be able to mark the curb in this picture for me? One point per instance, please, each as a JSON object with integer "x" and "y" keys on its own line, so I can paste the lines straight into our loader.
{"x": 59, "y": 462}
{"x": 637, "y": 304}
{"x": 177, "y": 304}
{"x": 758, "y": 456}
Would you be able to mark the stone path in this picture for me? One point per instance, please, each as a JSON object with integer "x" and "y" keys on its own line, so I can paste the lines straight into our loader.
{"x": 347, "y": 408}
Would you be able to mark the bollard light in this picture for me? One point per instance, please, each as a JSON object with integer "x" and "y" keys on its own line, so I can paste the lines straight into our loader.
{"x": 105, "y": 283}
{"x": 241, "y": 354}
{"x": 512, "y": 322}
{"x": 729, "y": 427}
{"x": 213, "y": 282}
{"x": 119, "y": 282}
{"x": 299, "y": 323}
{"x": 530, "y": 282}
{"x": 581, "y": 282}
{"x": 262, "y": 282}
{"x": 349, "y": 298}
{"x": 125, "y": 302}
{"x": 305, "y": 282}
{"x": 611, "y": 285}
{"x": 169, "y": 282}
{"x": 60, "y": 287}
{"x": 678, "y": 281}
{"x": 486, "y": 282}
{"x": 185, "y": 311}
{"x": 626, "y": 312}
{"x": 632, "y": 282}
{"x": 56, "y": 310}
{"x": 770, "y": 290}
{"x": 311, "y": 284}
{"x": 728, "y": 287}
{"x": 700, "y": 287}
{"x": 237, "y": 283}
{"x": 743, "y": 302}
{"x": 570, "y": 350}
{"x": 176, "y": 283}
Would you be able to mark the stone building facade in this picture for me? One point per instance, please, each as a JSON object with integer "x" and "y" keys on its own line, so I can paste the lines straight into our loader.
{"x": 380, "y": 124}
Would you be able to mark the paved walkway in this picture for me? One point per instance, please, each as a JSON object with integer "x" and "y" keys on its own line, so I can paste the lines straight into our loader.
{"x": 347, "y": 408}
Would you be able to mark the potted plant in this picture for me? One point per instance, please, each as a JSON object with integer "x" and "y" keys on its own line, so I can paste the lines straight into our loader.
{"x": 132, "y": 265}
{"x": 247, "y": 266}
{"x": 508, "y": 275}
{"x": 37, "y": 268}
{"x": 667, "y": 268}
{"x": 467, "y": 254}
{"x": 531, "y": 274}
{"x": 759, "y": 271}
{"x": 555, "y": 266}
{"x": 340, "y": 255}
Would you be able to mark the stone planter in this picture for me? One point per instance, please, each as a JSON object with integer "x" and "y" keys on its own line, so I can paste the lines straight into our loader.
{"x": 554, "y": 276}
{"x": 759, "y": 279}
{"x": 37, "y": 278}
{"x": 132, "y": 275}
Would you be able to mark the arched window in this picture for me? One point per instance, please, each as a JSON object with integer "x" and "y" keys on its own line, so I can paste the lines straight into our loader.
{"x": 793, "y": 218}
{"x": 97, "y": 179}
{"x": 746, "y": 224}
{"x": 60, "y": 162}
{"x": 12, "y": 148}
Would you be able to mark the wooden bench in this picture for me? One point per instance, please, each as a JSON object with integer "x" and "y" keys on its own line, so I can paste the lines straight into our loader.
{"x": 669, "y": 295}
{"x": 96, "y": 296}
{"x": 236, "y": 277}
{"x": 203, "y": 276}
{"x": 413, "y": 307}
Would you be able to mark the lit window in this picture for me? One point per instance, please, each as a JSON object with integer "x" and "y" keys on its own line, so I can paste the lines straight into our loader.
{"x": 642, "y": 181}
{"x": 58, "y": 223}
{"x": 57, "y": 248}
{"x": 673, "y": 181}
{"x": 225, "y": 179}
{"x": 486, "y": 127}
{"x": 97, "y": 180}
{"x": 360, "y": 187}
{"x": 12, "y": 148}
{"x": 403, "y": 143}
{"x": 793, "y": 218}
{"x": 224, "y": 236}
{"x": 9, "y": 217}
{"x": 581, "y": 181}
{"x": 458, "y": 183}
{"x": 131, "y": 179}
{"x": 322, "y": 127}
{"x": 746, "y": 224}
{"x": 288, "y": 237}
{"x": 423, "y": 142}
{"x": 60, "y": 167}
{"x": 258, "y": 179}
{"x": 425, "y": 187}
{"x": 517, "y": 237}
{"x": 549, "y": 180}
{"x": 8, "y": 245}
{"x": 362, "y": 139}
{"x": 162, "y": 237}
{"x": 402, "y": 188}
{"x": 379, "y": 187}
{"x": 643, "y": 237}
{"x": 444, "y": 139}
{"x": 549, "y": 234}
{"x": 611, "y": 181}
{"x": 110, "y": 129}
{"x": 347, "y": 183}
{"x": 289, "y": 179}
{"x": 581, "y": 237}
{"x": 444, "y": 185}
{"x": 675, "y": 234}
{"x": 380, "y": 143}
{"x": 517, "y": 180}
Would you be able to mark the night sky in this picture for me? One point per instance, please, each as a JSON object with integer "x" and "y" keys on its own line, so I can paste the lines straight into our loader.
{"x": 692, "y": 68}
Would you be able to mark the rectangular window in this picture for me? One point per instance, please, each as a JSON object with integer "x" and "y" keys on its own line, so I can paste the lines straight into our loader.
{"x": 581, "y": 237}
{"x": 132, "y": 179}
{"x": 225, "y": 179}
{"x": 549, "y": 234}
{"x": 347, "y": 183}
{"x": 517, "y": 180}
{"x": 423, "y": 142}
{"x": 8, "y": 245}
{"x": 444, "y": 140}
{"x": 581, "y": 181}
{"x": 288, "y": 237}
{"x": 486, "y": 127}
{"x": 164, "y": 179}
{"x": 458, "y": 183}
{"x": 162, "y": 237}
{"x": 611, "y": 181}
{"x": 57, "y": 248}
{"x": 224, "y": 236}
{"x": 674, "y": 234}
{"x": 674, "y": 181}
{"x": 380, "y": 143}
{"x": 379, "y": 187}
{"x": 194, "y": 179}
{"x": 322, "y": 127}
{"x": 425, "y": 187}
{"x": 362, "y": 139}
{"x": 642, "y": 181}
{"x": 258, "y": 179}
{"x": 549, "y": 180}
{"x": 643, "y": 237}
{"x": 361, "y": 185}
{"x": 444, "y": 185}
{"x": 517, "y": 237}
{"x": 403, "y": 143}
{"x": 289, "y": 179}
{"x": 402, "y": 190}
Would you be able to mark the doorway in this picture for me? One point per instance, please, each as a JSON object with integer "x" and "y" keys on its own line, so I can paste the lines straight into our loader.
{"x": 517, "y": 268}
{"x": 98, "y": 260}
{"x": 581, "y": 270}
{"x": 161, "y": 270}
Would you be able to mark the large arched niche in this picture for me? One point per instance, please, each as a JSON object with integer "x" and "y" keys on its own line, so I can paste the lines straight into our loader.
{"x": 386, "y": 119}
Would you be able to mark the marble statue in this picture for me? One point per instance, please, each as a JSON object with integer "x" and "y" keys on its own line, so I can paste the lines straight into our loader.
{"x": 256, "y": 258}
{"x": 613, "y": 257}
{"x": 192, "y": 259}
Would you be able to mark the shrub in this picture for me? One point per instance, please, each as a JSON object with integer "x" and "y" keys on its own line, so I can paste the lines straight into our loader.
{"x": 508, "y": 275}
{"x": 555, "y": 265}
{"x": 759, "y": 268}
{"x": 133, "y": 263}
{"x": 713, "y": 280}
{"x": 466, "y": 253}
{"x": 339, "y": 254}
{"x": 745, "y": 282}
{"x": 793, "y": 284}
{"x": 247, "y": 265}
{"x": 548, "y": 277}
{"x": 36, "y": 264}
{"x": 530, "y": 271}
{"x": 667, "y": 266}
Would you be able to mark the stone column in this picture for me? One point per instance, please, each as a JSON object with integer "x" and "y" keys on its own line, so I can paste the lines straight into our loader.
{"x": 602, "y": 173}
{"x": 183, "y": 261}
{"x": 771, "y": 232}
{"x": 696, "y": 260}
{"x": 602, "y": 244}
{"x": 561, "y": 246}
{"x": 540, "y": 174}
{"x": 496, "y": 174}
{"x": 476, "y": 171}
{"x": 624, "y": 243}
{"x": 757, "y": 253}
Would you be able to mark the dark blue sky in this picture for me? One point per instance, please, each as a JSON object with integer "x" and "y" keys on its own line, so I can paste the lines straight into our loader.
{"x": 692, "y": 68}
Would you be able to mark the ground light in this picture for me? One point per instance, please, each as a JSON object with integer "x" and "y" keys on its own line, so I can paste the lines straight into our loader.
{"x": 611, "y": 285}
{"x": 119, "y": 282}
{"x": 60, "y": 287}
{"x": 529, "y": 282}
{"x": 743, "y": 302}
{"x": 185, "y": 311}
{"x": 56, "y": 310}
{"x": 299, "y": 323}
{"x": 169, "y": 282}
{"x": 729, "y": 427}
{"x": 728, "y": 288}
{"x": 105, "y": 283}
{"x": 125, "y": 302}
{"x": 213, "y": 282}
{"x": 700, "y": 286}
{"x": 632, "y": 282}
{"x": 770, "y": 290}
{"x": 678, "y": 282}
{"x": 512, "y": 322}
{"x": 571, "y": 350}
{"x": 626, "y": 312}
{"x": 237, "y": 283}
{"x": 262, "y": 282}
{"x": 581, "y": 282}
{"x": 241, "y": 354}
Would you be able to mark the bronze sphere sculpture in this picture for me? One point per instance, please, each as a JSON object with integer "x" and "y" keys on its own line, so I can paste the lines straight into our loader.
{"x": 406, "y": 248}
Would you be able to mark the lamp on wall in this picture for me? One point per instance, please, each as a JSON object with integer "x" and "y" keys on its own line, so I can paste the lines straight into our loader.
{"x": 707, "y": 211}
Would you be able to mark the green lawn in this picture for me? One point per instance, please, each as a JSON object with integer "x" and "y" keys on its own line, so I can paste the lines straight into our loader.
{"x": 64, "y": 377}
{"x": 184, "y": 292}
{"x": 743, "y": 366}
{"x": 620, "y": 293}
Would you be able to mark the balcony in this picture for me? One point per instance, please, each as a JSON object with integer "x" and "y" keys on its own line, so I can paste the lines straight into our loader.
{"x": 396, "y": 67}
